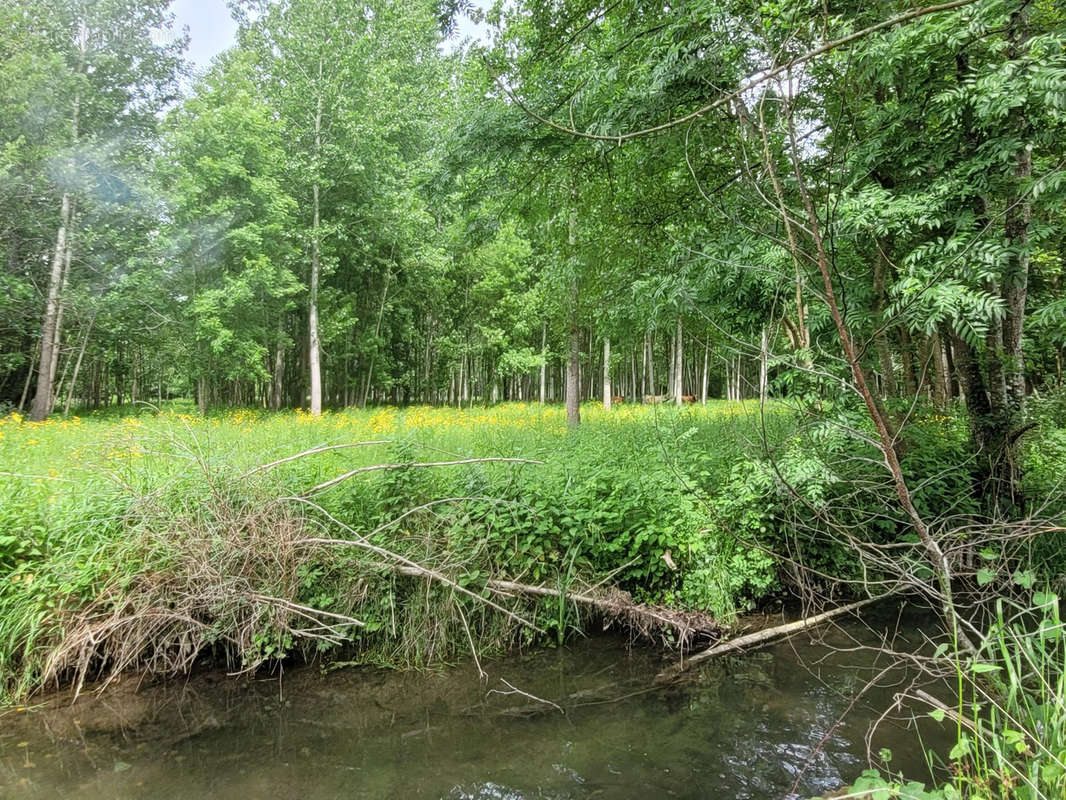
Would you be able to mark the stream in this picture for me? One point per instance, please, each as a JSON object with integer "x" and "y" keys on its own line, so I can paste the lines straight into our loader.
{"x": 765, "y": 724}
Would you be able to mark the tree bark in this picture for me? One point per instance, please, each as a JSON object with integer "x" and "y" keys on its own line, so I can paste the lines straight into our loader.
{"x": 543, "y": 362}
{"x": 1017, "y": 219}
{"x": 677, "y": 389}
{"x": 42, "y": 399}
{"x": 277, "y": 383}
{"x": 29, "y": 375}
{"x": 706, "y": 368}
{"x": 653, "y": 388}
{"x": 606, "y": 373}
{"x": 314, "y": 354}
{"x": 58, "y": 339}
{"x": 573, "y": 367}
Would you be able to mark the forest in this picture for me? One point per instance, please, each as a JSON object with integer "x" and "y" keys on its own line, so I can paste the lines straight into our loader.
{"x": 380, "y": 342}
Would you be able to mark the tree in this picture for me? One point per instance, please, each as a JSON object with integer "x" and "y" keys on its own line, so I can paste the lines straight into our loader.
{"x": 341, "y": 83}
{"x": 112, "y": 80}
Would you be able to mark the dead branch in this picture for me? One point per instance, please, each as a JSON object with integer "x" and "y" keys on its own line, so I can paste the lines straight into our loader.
{"x": 768, "y": 635}
{"x": 311, "y": 452}
{"x": 618, "y": 605}
{"x": 403, "y": 565}
{"x": 414, "y": 465}
{"x": 514, "y": 690}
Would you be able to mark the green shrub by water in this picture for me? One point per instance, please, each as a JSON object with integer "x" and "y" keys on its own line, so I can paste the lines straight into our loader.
{"x": 104, "y": 516}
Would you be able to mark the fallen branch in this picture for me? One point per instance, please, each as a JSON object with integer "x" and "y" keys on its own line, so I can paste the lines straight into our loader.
{"x": 613, "y": 604}
{"x": 403, "y": 565}
{"x": 311, "y": 452}
{"x": 514, "y": 690}
{"x": 767, "y": 635}
{"x": 414, "y": 465}
{"x": 618, "y": 605}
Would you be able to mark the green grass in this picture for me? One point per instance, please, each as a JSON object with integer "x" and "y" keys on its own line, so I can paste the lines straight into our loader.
{"x": 114, "y": 520}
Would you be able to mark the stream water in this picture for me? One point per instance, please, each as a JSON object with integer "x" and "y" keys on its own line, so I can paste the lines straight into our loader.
{"x": 767, "y": 724}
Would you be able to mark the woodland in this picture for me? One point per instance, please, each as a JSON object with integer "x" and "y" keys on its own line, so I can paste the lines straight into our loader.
{"x": 710, "y": 303}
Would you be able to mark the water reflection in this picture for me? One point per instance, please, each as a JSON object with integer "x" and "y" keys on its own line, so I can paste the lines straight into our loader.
{"x": 756, "y": 726}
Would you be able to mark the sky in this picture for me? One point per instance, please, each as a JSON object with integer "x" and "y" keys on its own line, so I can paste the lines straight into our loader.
{"x": 212, "y": 30}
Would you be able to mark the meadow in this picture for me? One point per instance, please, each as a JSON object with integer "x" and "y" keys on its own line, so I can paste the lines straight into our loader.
{"x": 147, "y": 538}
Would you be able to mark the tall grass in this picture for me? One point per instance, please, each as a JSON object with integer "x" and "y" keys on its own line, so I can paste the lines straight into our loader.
{"x": 1009, "y": 715}
{"x": 1012, "y": 717}
{"x": 148, "y": 539}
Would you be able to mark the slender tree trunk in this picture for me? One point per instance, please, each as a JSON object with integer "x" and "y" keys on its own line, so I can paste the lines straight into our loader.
{"x": 461, "y": 395}
{"x": 277, "y": 383}
{"x": 645, "y": 381}
{"x": 573, "y": 370}
{"x": 58, "y": 338}
{"x": 1017, "y": 220}
{"x": 42, "y": 400}
{"x": 677, "y": 388}
{"x": 764, "y": 357}
{"x": 543, "y": 361}
{"x": 706, "y": 368}
{"x": 377, "y": 333}
{"x": 29, "y": 376}
{"x": 607, "y": 373}
{"x": 633, "y": 388}
{"x": 653, "y": 387}
{"x": 314, "y": 354}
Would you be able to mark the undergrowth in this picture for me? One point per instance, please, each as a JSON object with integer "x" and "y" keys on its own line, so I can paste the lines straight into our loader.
{"x": 147, "y": 541}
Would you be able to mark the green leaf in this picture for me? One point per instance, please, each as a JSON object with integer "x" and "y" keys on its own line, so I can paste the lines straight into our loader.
{"x": 1024, "y": 579}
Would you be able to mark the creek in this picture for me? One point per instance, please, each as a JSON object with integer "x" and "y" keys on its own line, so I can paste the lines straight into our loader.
{"x": 790, "y": 719}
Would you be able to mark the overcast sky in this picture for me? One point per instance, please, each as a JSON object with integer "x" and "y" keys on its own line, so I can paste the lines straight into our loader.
{"x": 212, "y": 30}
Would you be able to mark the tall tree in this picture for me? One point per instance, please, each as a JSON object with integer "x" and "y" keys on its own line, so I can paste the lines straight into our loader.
{"x": 114, "y": 79}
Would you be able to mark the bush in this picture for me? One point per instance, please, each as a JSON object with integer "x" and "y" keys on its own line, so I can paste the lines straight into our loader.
{"x": 146, "y": 541}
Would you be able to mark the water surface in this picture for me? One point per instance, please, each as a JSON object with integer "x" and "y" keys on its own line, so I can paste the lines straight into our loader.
{"x": 765, "y": 724}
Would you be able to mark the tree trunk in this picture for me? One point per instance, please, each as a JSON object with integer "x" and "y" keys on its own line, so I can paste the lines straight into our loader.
{"x": 1017, "y": 219}
{"x": 42, "y": 400}
{"x": 573, "y": 367}
{"x": 314, "y": 354}
{"x": 606, "y": 373}
{"x": 678, "y": 365}
{"x": 764, "y": 357}
{"x": 277, "y": 383}
{"x": 543, "y": 362}
{"x": 653, "y": 387}
{"x": 58, "y": 340}
{"x": 706, "y": 368}
{"x": 29, "y": 376}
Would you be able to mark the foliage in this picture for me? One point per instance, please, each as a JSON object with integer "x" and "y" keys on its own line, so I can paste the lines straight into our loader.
{"x": 157, "y": 515}
{"x": 1009, "y": 716}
